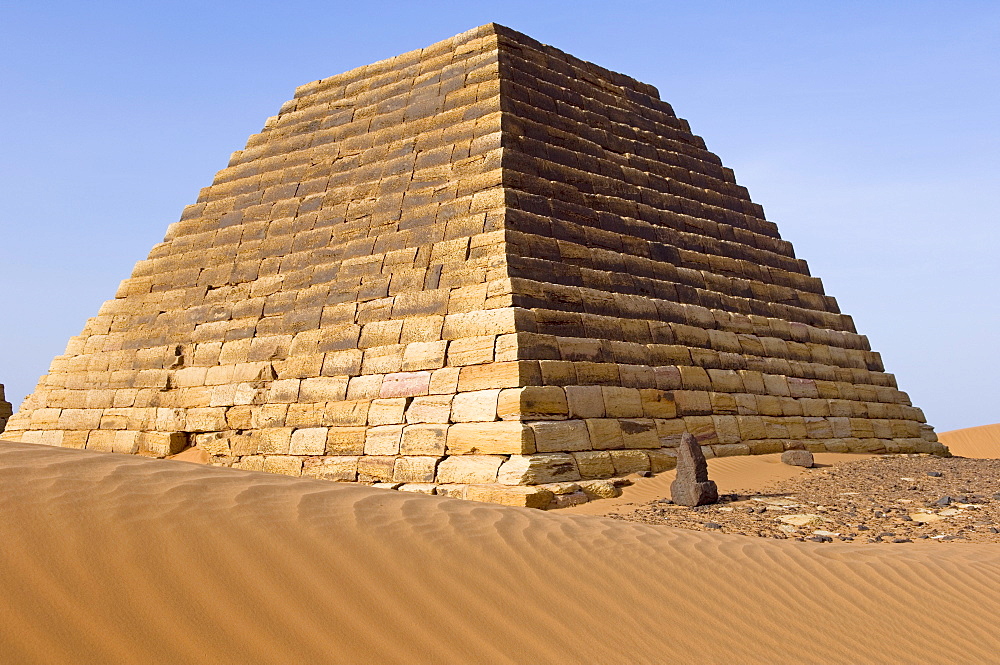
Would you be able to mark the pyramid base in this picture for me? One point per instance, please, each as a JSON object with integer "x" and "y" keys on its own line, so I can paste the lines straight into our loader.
{"x": 543, "y": 480}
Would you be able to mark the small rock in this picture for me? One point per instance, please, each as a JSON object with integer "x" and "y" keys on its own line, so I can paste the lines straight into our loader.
{"x": 934, "y": 474}
{"x": 798, "y": 458}
{"x": 901, "y": 540}
{"x": 993, "y": 529}
{"x": 862, "y": 527}
{"x": 712, "y": 525}
{"x": 944, "y": 501}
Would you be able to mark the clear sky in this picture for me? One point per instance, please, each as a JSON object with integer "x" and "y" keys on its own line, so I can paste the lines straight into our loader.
{"x": 868, "y": 131}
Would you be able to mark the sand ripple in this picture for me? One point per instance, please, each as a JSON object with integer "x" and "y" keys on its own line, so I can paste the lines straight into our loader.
{"x": 116, "y": 559}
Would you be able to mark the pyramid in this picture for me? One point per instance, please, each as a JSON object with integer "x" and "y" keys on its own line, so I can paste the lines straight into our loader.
{"x": 484, "y": 269}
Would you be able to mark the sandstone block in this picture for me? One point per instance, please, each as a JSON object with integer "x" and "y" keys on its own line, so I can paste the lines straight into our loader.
{"x": 494, "y": 375}
{"x": 662, "y": 459}
{"x": 218, "y": 444}
{"x": 670, "y": 431}
{"x": 383, "y": 440}
{"x": 481, "y": 323}
{"x": 766, "y": 446}
{"x": 345, "y": 440}
{"x": 476, "y": 406}
{"x": 162, "y": 444}
{"x": 639, "y": 433}
{"x": 373, "y": 469}
{"x": 471, "y": 350}
{"x": 429, "y": 409}
{"x": 405, "y": 384}
{"x": 692, "y": 403}
{"x": 469, "y": 469}
{"x": 594, "y": 464}
{"x": 533, "y": 403}
{"x": 444, "y": 381}
{"x": 511, "y": 495}
{"x": 630, "y": 461}
{"x": 308, "y": 441}
{"x": 658, "y": 403}
{"x": 387, "y": 411}
{"x": 274, "y": 440}
{"x": 337, "y": 468}
{"x": 424, "y": 355}
{"x": 342, "y": 363}
{"x": 730, "y": 449}
{"x": 622, "y": 402}
{"x": 205, "y": 420}
{"x": 727, "y": 429}
{"x": 284, "y": 391}
{"x": 605, "y": 433}
{"x": 538, "y": 469}
{"x": 429, "y": 439}
{"x": 585, "y": 401}
{"x": 346, "y": 413}
{"x": 364, "y": 387}
{"x": 560, "y": 436}
{"x": 285, "y": 465}
{"x": 495, "y": 438}
{"x": 415, "y": 469}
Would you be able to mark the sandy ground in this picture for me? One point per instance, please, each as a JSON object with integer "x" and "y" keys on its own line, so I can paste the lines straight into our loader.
{"x": 117, "y": 559}
{"x": 982, "y": 441}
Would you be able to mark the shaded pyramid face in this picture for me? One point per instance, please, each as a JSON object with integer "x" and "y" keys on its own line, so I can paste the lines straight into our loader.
{"x": 483, "y": 269}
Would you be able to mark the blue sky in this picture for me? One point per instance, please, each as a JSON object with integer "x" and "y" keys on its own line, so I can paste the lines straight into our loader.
{"x": 867, "y": 130}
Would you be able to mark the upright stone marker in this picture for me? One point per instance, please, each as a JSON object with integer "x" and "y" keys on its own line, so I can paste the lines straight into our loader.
{"x": 692, "y": 487}
{"x": 485, "y": 262}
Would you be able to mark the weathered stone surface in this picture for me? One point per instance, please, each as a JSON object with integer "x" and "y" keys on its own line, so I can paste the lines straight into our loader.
{"x": 469, "y": 469}
{"x": 527, "y": 497}
{"x": 336, "y": 467}
{"x": 692, "y": 487}
{"x": 496, "y": 438}
{"x": 538, "y": 469}
{"x": 415, "y": 469}
{"x": 560, "y": 436}
{"x": 600, "y": 489}
{"x": 798, "y": 458}
{"x": 426, "y": 439}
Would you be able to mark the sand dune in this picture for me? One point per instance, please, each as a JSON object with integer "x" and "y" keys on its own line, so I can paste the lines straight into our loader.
{"x": 116, "y": 559}
{"x": 982, "y": 441}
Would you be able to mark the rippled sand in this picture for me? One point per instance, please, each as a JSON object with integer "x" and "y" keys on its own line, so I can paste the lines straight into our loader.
{"x": 110, "y": 558}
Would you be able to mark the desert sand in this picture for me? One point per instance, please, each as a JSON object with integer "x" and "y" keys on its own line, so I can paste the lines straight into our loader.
{"x": 982, "y": 441}
{"x": 117, "y": 559}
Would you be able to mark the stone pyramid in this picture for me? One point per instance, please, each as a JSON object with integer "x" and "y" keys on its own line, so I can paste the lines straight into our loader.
{"x": 486, "y": 269}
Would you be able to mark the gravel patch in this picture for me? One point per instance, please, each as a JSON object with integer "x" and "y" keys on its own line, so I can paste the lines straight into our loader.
{"x": 891, "y": 499}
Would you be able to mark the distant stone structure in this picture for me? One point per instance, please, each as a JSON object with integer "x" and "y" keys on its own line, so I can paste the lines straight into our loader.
{"x": 5, "y": 409}
{"x": 484, "y": 269}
